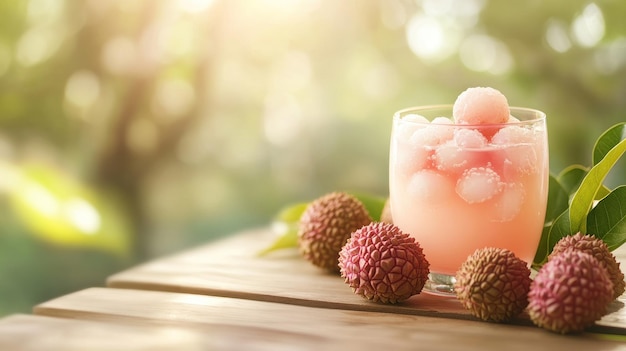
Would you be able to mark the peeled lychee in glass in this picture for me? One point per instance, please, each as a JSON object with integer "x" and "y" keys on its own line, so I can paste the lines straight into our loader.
{"x": 481, "y": 105}
{"x": 478, "y": 185}
{"x": 436, "y": 133}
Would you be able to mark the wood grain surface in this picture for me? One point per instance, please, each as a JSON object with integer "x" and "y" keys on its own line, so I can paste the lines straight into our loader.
{"x": 232, "y": 268}
{"x": 311, "y": 326}
{"x": 35, "y": 332}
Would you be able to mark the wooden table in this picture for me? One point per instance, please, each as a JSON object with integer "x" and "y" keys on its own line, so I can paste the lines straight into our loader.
{"x": 222, "y": 296}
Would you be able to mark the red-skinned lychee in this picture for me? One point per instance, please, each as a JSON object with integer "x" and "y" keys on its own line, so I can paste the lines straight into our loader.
{"x": 598, "y": 249}
{"x": 383, "y": 264}
{"x": 570, "y": 292}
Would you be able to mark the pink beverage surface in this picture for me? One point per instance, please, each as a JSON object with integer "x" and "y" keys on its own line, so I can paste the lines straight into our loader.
{"x": 461, "y": 191}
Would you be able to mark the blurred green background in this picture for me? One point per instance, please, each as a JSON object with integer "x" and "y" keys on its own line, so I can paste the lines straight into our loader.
{"x": 133, "y": 129}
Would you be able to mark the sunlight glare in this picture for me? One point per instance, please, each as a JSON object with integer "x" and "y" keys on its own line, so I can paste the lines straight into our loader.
{"x": 436, "y": 33}
{"x": 194, "y": 6}
{"x": 426, "y": 37}
{"x": 41, "y": 199}
{"x": 82, "y": 215}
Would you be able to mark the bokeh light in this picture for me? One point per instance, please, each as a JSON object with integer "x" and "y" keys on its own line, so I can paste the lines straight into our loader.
{"x": 610, "y": 58}
{"x": 37, "y": 45}
{"x": 557, "y": 36}
{"x": 119, "y": 55}
{"x": 82, "y": 89}
{"x": 173, "y": 98}
{"x": 483, "y": 53}
{"x": 432, "y": 39}
{"x": 588, "y": 27}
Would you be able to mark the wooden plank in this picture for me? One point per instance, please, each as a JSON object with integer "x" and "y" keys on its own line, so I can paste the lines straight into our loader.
{"x": 353, "y": 330}
{"x": 231, "y": 268}
{"x": 28, "y": 332}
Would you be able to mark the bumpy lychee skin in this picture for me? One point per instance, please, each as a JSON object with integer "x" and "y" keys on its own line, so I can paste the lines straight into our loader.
{"x": 493, "y": 284}
{"x": 598, "y": 249}
{"x": 569, "y": 293}
{"x": 326, "y": 225}
{"x": 383, "y": 264}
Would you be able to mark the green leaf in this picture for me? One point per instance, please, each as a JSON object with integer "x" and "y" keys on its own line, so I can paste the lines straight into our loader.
{"x": 542, "y": 249}
{"x": 285, "y": 240}
{"x": 589, "y": 187}
{"x": 550, "y": 236}
{"x": 373, "y": 204}
{"x": 608, "y": 140}
{"x": 292, "y": 213}
{"x": 584, "y": 186}
{"x": 607, "y": 220}
{"x": 602, "y": 192}
{"x": 559, "y": 230}
{"x": 571, "y": 177}
{"x": 285, "y": 225}
{"x": 558, "y": 200}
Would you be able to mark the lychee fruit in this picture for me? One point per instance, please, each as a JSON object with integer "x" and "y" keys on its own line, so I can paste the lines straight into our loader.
{"x": 326, "y": 225}
{"x": 570, "y": 292}
{"x": 493, "y": 284}
{"x": 481, "y": 105}
{"x": 598, "y": 249}
{"x": 383, "y": 264}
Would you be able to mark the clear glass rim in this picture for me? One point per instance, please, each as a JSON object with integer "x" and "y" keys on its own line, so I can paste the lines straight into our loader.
{"x": 540, "y": 116}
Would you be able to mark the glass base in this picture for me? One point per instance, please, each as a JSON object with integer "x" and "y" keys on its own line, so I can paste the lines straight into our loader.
{"x": 440, "y": 285}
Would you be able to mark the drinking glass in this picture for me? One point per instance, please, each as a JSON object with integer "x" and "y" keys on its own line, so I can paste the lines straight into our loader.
{"x": 460, "y": 187}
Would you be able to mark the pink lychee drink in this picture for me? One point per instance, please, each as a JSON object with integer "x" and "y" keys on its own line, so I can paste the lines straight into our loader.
{"x": 464, "y": 182}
